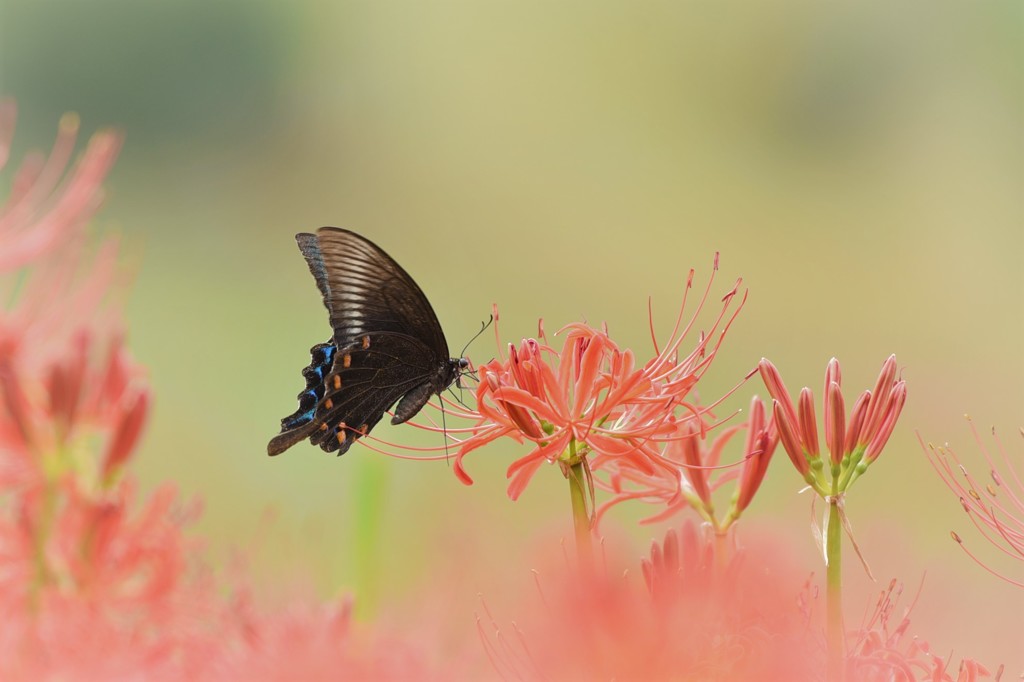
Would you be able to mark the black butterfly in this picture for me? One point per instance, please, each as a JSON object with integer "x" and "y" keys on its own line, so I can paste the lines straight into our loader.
{"x": 387, "y": 346}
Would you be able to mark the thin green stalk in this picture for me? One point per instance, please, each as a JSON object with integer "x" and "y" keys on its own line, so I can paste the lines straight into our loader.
{"x": 834, "y": 575}
{"x": 368, "y": 501}
{"x": 580, "y": 514}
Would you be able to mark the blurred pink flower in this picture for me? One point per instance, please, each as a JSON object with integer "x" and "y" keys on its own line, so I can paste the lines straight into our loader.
{"x": 590, "y": 402}
{"x": 690, "y": 617}
{"x": 42, "y": 225}
{"x": 44, "y": 208}
{"x": 306, "y": 640}
{"x": 97, "y": 581}
{"x": 882, "y": 651}
{"x": 996, "y": 509}
{"x": 103, "y": 588}
{"x": 94, "y": 583}
{"x": 84, "y": 393}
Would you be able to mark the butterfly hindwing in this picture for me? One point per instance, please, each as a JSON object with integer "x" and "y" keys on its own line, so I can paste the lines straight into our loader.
{"x": 367, "y": 378}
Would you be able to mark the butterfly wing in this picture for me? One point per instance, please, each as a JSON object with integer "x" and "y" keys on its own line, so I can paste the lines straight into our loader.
{"x": 365, "y": 382}
{"x": 387, "y": 345}
{"x": 365, "y": 290}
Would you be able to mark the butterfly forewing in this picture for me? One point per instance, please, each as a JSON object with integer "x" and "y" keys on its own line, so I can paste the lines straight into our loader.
{"x": 371, "y": 292}
{"x": 387, "y": 343}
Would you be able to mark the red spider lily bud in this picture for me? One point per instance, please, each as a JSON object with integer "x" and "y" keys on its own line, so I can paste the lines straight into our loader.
{"x": 878, "y": 441}
{"x": 833, "y": 374}
{"x": 759, "y": 455}
{"x": 776, "y": 388}
{"x": 755, "y": 468}
{"x": 126, "y": 433}
{"x": 835, "y": 417}
{"x": 808, "y": 425}
{"x": 755, "y": 424}
{"x": 882, "y": 398}
{"x": 787, "y": 434}
{"x": 117, "y": 375}
{"x": 857, "y": 418}
{"x": 15, "y": 401}
{"x": 64, "y": 386}
{"x": 692, "y": 461}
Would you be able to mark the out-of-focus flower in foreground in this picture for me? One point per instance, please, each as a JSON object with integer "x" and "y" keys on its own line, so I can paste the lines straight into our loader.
{"x": 98, "y": 582}
{"x": 995, "y": 508}
{"x": 42, "y": 225}
{"x": 882, "y": 649}
{"x": 685, "y": 615}
{"x": 95, "y": 583}
{"x": 311, "y": 641}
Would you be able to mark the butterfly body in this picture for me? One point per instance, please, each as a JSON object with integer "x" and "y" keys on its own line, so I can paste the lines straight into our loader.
{"x": 387, "y": 346}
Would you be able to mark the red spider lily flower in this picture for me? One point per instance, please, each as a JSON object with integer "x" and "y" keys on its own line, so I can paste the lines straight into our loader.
{"x": 996, "y": 508}
{"x": 853, "y": 443}
{"x": 698, "y": 473}
{"x": 575, "y": 399}
{"x": 685, "y": 615}
{"x": 590, "y": 402}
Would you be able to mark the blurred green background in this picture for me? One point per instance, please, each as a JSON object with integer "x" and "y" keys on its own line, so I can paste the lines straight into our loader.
{"x": 859, "y": 164}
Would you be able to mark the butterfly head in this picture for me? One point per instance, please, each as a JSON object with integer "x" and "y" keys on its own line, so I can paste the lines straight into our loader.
{"x": 453, "y": 371}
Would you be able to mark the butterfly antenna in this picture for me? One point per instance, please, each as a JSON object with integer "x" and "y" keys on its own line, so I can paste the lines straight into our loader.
{"x": 483, "y": 328}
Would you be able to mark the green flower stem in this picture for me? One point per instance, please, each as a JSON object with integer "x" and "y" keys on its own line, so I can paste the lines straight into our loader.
{"x": 580, "y": 514}
{"x": 852, "y": 469}
{"x": 53, "y": 466}
{"x": 368, "y": 500}
{"x": 40, "y": 537}
{"x": 834, "y": 594}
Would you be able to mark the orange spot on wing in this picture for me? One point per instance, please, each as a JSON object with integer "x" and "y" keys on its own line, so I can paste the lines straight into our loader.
{"x": 328, "y": 404}
{"x": 366, "y": 342}
{"x": 346, "y": 361}
{"x": 337, "y": 380}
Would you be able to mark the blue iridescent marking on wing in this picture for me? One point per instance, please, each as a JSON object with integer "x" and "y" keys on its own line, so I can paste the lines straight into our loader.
{"x": 322, "y": 357}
